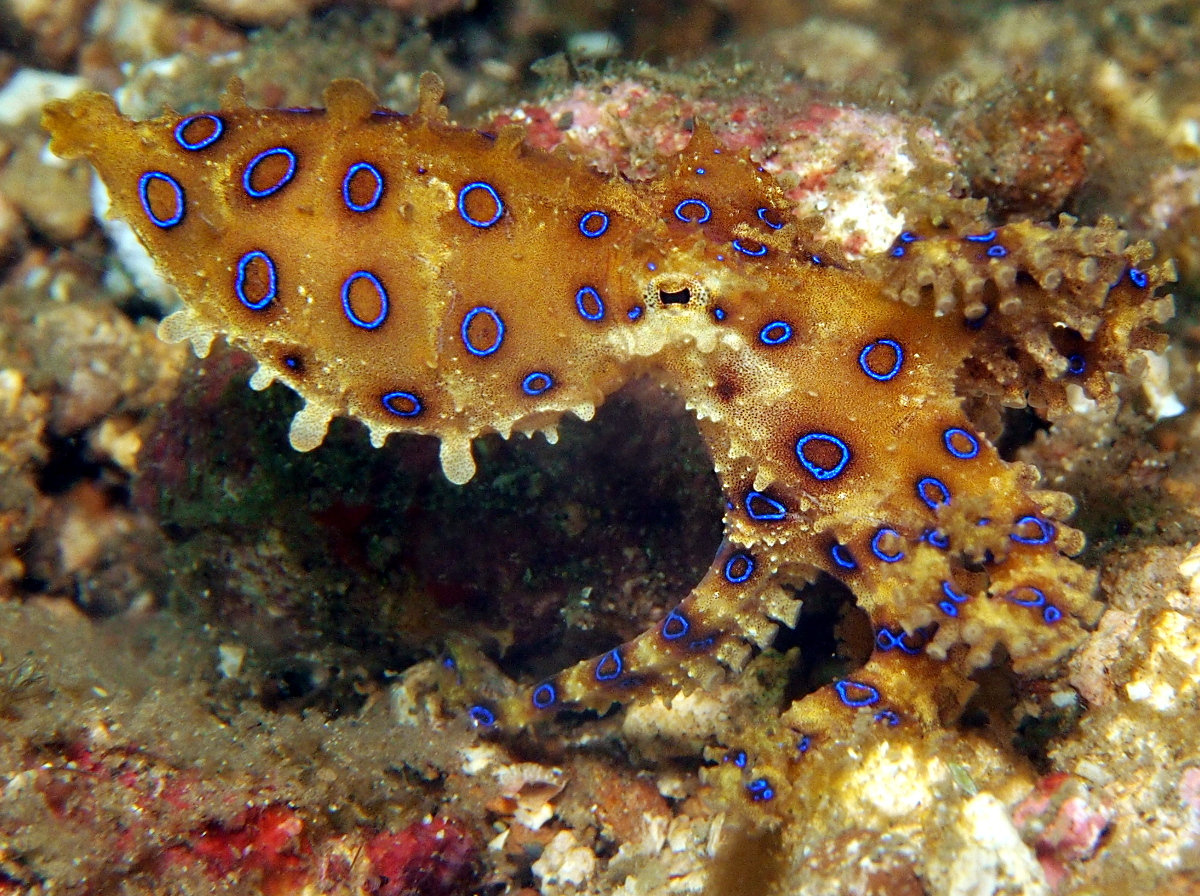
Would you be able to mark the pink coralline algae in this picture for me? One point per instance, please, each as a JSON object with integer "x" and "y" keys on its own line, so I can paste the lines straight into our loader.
{"x": 436, "y": 857}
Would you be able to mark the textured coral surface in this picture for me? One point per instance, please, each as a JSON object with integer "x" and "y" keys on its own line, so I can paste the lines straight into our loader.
{"x": 226, "y": 666}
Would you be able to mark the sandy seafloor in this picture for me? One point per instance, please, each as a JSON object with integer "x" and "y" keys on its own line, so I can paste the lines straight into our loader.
{"x": 223, "y": 664}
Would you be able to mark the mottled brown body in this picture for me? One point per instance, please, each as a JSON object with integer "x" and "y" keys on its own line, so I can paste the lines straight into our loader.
{"x": 425, "y": 278}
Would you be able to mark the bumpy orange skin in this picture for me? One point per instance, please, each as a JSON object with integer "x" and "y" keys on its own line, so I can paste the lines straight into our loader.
{"x": 426, "y": 278}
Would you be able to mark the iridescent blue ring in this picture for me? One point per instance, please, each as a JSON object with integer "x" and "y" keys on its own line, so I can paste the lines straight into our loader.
{"x": 980, "y": 237}
{"x": 941, "y": 494}
{"x": 1138, "y": 278}
{"x": 845, "y": 687}
{"x": 880, "y": 552}
{"x": 683, "y": 211}
{"x": 375, "y": 197}
{"x": 469, "y": 317}
{"x": 203, "y": 142}
{"x": 938, "y": 539}
{"x": 736, "y": 578}
{"x": 865, "y": 354}
{"x": 842, "y": 557}
{"x": 618, "y": 665}
{"x": 411, "y": 406}
{"x": 675, "y": 626}
{"x": 239, "y": 282}
{"x": 1076, "y": 365}
{"x": 1038, "y": 599}
{"x": 954, "y": 432}
{"x": 583, "y": 296}
{"x": 823, "y": 473}
{"x": 278, "y": 185}
{"x": 536, "y": 383}
{"x": 544, "y": 696}
{"x": 762, "y": 216}
{"x": 1045, "y": 531}
{"x": 1051, "y": 614}
{"x": 775, "y": 333}
{"x": 948, "y": 608}
{"x": 590, "y": 230}
{"x": 888, "y": 716}
{"x": 635, "y": 312}
{"x": 760, "y": 790}
{"x": 773, "y": 510}
{"x": 956, "y": 596}
{"x": 144, "y": 194}
{"x": 491, "y": 191}
{"x": 746, "y": 250}
{"x": 996, "y": 252}
{"x": 378, "y": 319}
{"x": 481, "y": 716}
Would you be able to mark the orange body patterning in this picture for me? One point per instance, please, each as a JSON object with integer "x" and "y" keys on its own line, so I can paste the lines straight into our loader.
{"x": 429, "y": 279}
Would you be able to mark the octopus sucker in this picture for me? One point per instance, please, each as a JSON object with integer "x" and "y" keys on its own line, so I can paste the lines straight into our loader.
{"x": 848, "y": 407}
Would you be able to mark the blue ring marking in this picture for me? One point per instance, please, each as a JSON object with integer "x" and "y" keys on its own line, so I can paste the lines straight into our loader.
{"x": 762, "y": 216}
{"x": 996, "y": 252}
{"x": 842, "y": 557}
{"x": 481, "y": 716}
{"x": 887, "y": 715}
{"x": 737, "y": 757}
{"x": 544, "y": 696}
{"x": 144, "y": 195}
{"x": 1138, "y": 278}
{"x": 376, "y": 321}
{"x": 843, "y": 688}
{"x": 635, "y": 312}
{"x": 804, "y": 743}
{"x": 281, "y": 183}
{"x": 823, "y": 473}
{"x": 703, "y": 643}
{"x": 586, "y": 228}
{"x": 1051, "y": 614}
{"x": 956, "y": 596}
{"x": 536, "y": 383}
{"x": 618, "y": 665}
{"x": 941, "y": 496}
{"x": 719, "y": 313}
{"x": 675, "y": 626}
{"x": 1038, "y": 599}
{"x": 581, "y": 297}
{"x": 701, "y": 171}
{"x": 887, "y": 640}
{"x": 1045, "y": 531}
{"x": 897, "y": 252}
{"x": 291, "y": 362}
{"x": 775, "y": 333}
{"x": 747, "y": 568}
{"x": 815, "y": 259}
{"x": 203, "y": 142}
{"x": 469, "y": 317}
{"x": 1076, "y": 365}
{"x": 948, "y": 608}
{"x": 412, "y": 409}
{"x": 491, "y": 191}
{"x": 954, "y": 432}
{"x": 239, "y": 282}
{"x": 980, "y": 237}
{"x": 939, "y": 540}
{"x": 746, "y": 250}
{"x": 882, "y": 554}
{"x": 896, "y": 365}
{"x": 682, "y": 211}
{"x": 773, "y": 511}
{"x": 907, "y": 236}
{"x": 374, "y": 200}
{"x": 760, "y": 790}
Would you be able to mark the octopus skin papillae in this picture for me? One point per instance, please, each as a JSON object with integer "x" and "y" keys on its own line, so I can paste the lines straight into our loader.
{"x": 425, "y": 278}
